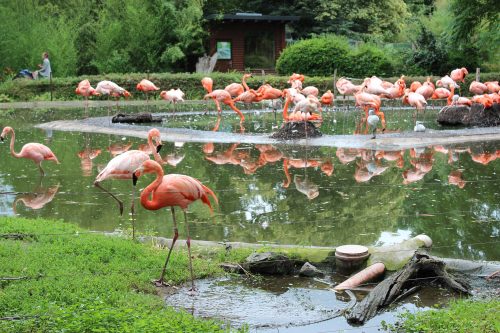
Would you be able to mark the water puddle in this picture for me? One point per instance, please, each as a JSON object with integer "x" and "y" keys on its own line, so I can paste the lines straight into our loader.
{"x": 287, "y": 304}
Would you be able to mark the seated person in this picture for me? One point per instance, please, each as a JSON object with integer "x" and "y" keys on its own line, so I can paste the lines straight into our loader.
{"x": 45, "y": 71}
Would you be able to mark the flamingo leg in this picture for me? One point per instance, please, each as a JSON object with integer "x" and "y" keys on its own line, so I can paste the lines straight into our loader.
{"x": 160, "y": 282}
{"x": 188, "y": 243}
{"x": 235, "y": 109}
{"x": 42, "y": 173}
{"x": 382, "y": 118}
{"x": 120, "y": 203}
{"x": 132, "y": 212}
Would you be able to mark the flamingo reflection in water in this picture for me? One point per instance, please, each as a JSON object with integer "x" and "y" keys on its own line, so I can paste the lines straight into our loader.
{"x": 38, "y": 198}
{"x": 368, "y": 167}
{"x": 421, "y": 160}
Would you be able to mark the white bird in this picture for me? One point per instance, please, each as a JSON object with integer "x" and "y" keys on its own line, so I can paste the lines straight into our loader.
{"x": 111, "y": 88}
{"x": 419, "y": 127}
{"x": 173, "y": 96}
{"x": 373, "y": 121}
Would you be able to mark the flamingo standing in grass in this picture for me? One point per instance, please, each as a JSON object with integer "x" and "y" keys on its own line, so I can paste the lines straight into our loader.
{"x": 170, "y": 191}
{"x": 146, "y": 87}
{"x": 33, "y": 151}
{"x": 124, "y": 165}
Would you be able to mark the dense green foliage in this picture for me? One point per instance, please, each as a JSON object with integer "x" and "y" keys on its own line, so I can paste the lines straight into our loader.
{"x": 81, "y": 282}
{"x": 99, "y": 37}
{"x": 352, "y": 18}
{"x": 90, "y": 37}
{"x": 463, "y": 316}
{"x": 321, "y": 56}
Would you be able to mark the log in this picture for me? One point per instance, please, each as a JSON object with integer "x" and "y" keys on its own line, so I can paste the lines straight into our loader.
{"x": 139, "y": 118}
{"x": 420, "y": 270}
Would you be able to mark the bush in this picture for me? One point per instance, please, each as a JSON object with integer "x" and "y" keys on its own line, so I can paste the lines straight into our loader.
{"x": 370, "y": 60}
{"x": 317, "y": 56}
{"x": 321, "y": 56}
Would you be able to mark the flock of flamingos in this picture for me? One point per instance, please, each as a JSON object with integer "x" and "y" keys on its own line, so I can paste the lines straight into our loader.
{"x": 180, "y": 190}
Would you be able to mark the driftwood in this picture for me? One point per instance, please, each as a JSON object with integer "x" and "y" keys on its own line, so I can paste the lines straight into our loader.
{"x": 296, "y": 130}
{"x": 476, "y": 115}
{"x": 420, "y": 269}
{"x": 135, "y": 118}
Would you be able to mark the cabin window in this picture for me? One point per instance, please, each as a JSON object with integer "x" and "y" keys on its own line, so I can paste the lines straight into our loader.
{"x": 259, "y": 49}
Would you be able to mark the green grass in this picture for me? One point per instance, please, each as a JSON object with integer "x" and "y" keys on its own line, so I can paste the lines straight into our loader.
{"x": 83, "y": 282}
{"x": 462, "y": 316}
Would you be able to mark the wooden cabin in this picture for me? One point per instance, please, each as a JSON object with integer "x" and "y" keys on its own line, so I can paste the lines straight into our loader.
{"x": 247, "y": 41}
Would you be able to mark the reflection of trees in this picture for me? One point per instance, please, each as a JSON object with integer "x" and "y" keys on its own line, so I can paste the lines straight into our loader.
{"x": 459, "y": 217}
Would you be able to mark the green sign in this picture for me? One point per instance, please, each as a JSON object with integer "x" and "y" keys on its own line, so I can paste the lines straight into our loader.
{"x": 224, "y": 50}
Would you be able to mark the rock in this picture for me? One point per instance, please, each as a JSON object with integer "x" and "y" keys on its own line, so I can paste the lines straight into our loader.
{"x": 476, "y": 115}
{"x": 270, "y": 263}
{"x": 232, "y": 268}
{"x": 135, "y": 118}
{"x": 310, "y": 271}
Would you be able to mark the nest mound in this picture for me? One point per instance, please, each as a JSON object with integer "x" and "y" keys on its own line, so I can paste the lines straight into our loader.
{"x": 297, "y": 130}
{"x": 476, "y": 115}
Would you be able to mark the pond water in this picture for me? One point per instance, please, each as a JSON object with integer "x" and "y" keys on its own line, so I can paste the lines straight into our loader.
{"x": 283, "y": 194}
{"x": 271, "y": 194}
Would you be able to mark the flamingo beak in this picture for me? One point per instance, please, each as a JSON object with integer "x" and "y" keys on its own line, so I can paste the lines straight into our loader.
{"x": 158, "y": 148}
{"x": 1, "y": 138}
{"x": 134, "y": 179}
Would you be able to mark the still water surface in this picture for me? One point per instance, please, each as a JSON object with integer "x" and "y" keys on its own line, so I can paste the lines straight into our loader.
{"x": 276, "y": 194}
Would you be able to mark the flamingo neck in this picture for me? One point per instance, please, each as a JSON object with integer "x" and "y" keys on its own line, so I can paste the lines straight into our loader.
{"x": 156, "y": 155}
{"x": 244, "y": 82}
{"x": 285, "y": 108}
{"x": 149, "y": 190}
{"x": 12, "y": 139}
{"x": 452, "y": 92}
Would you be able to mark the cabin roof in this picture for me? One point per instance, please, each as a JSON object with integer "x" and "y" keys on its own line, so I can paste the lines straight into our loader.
{"x": 251, "y": 17}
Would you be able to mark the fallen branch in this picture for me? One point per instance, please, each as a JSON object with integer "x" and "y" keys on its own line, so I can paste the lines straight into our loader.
{"x": 419, "y": 270}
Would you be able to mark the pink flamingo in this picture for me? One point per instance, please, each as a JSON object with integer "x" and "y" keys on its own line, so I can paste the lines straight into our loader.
{"x": 124, "y": 165}
{"x": 223, "y": 96}
{"x": 346, "y": 87}
{"x": 33, "y": 151}
{"x": 478, "y": 88}
{"x": 173, "y": 96}
{"x": 493, "y": 86}
{"x": 146, "y": 86}
{"x": 85, "y": 89}
{"x": 426, "y": 90}
{"x": 236, "y": 89}
{"x": 416, "y": 100}
{"x": 458, "y": 75}
{"x": 441, "y": 93}
{"x": 327, "y": 98}
{"x": 170, "y": 191}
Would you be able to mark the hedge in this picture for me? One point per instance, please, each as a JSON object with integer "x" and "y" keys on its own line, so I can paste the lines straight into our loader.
{"x": 64, "y": 88}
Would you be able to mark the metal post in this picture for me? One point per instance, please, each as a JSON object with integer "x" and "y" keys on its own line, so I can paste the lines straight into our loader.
{"x": 478, "y": 70}
{"x": 50, "y": 83}
{"x": 334, "y": 81}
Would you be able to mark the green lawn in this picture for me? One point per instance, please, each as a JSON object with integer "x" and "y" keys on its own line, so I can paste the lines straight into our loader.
{"x": 81, "y": 282}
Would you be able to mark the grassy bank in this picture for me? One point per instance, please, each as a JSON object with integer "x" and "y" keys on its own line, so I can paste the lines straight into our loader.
{"x": 71, "y": 280}
{"x": 81, "y": 282}
{"x": 64, "y": 88}
{"x": 463, "y": 316}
